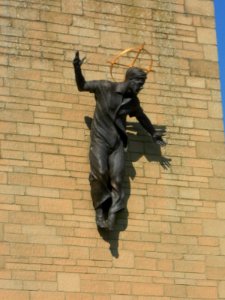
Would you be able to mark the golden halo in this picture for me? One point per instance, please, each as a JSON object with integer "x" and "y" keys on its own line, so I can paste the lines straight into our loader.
{"x": 137, "y": 50}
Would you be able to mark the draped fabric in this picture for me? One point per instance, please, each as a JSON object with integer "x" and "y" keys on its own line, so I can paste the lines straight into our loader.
{"x": 109, "y": 138}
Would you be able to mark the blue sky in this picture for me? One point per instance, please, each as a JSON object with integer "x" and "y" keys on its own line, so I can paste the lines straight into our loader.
{"x": 220, "y": 30}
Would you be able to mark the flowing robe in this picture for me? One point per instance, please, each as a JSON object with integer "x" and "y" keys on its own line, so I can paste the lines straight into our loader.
{"x": 108, "y": 138}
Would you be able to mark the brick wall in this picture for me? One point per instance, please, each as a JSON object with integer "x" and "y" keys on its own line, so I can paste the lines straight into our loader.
{"x": 170, "y": 243}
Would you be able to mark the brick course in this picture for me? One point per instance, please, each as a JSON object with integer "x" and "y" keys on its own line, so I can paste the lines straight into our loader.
{"x": 170, "y": 243}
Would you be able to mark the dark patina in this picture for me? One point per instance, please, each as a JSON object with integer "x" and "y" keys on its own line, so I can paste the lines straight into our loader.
{"x": 114, "y": 101}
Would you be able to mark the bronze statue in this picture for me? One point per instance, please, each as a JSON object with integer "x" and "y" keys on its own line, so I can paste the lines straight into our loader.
{"x": 114, "y": 101}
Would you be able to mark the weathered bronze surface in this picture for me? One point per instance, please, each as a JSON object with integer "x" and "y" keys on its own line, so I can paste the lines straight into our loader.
{"x": 114, "y": 101}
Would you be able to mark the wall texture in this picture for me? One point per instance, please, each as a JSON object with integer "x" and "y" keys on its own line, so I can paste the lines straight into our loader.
{"x": 170, "y": 243}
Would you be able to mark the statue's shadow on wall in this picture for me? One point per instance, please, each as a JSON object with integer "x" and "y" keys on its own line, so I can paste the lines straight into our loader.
{"x": 140, "y": 144}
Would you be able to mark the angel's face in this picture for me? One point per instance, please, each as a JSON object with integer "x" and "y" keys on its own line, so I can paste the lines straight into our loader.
{"x": 136, "y": 84}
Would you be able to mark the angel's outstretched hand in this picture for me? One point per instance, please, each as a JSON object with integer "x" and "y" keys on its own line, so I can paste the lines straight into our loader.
{"x": 158, "y": 137}
{"x": 77, "y": 61}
